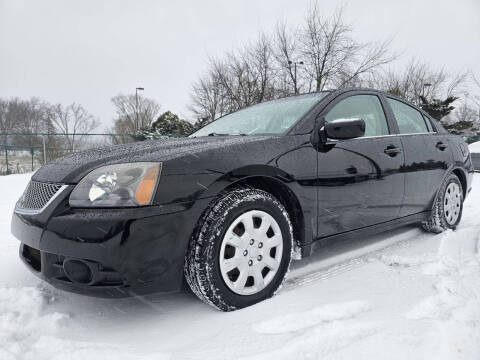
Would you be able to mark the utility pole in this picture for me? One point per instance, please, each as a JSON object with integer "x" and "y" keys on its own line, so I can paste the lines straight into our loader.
{"x": 6, "y": 158}
{"x": 44, "y": 150}
{"x": 295, "y": 73}
{"x": 136, "y": 106}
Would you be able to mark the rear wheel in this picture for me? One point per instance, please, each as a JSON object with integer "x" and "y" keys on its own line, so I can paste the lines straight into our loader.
{"x": 241, "y": 250}
{"x": 448, "y": 206}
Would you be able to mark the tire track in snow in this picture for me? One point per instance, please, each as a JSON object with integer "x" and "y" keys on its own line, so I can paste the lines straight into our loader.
{"x": 351, "y": 260}
{"x": 316, "y": 332}
{"x": 298, "y": 321}
{"x": 324, "y": 274}
{"x": 477, "y": 249}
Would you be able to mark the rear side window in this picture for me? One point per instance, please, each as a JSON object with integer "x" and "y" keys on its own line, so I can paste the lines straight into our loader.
{"x": 366, "y": 107}
{"x": 429, "y": 124}
{"x": 409, "y": 120}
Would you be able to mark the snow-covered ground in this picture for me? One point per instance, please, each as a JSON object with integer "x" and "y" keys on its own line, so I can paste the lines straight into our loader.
{"x": 474, "y": 147}
{"x": 401, "y": 295}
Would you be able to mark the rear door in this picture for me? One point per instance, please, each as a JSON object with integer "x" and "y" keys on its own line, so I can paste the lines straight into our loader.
{"x": 427, "y": 156}
{"x": 360, "y": 182}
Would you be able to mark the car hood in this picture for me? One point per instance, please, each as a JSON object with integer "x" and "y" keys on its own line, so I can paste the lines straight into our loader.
{"x": 71, "y": 168}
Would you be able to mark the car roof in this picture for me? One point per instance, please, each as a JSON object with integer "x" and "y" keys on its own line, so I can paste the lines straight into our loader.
{"x": 338, "y": 91}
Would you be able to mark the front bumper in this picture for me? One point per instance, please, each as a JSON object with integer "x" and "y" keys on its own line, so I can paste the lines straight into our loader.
{"x": 108, "y": 252}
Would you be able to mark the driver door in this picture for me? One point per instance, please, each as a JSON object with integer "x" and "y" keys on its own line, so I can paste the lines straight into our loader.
{"x": 360, "y": 182}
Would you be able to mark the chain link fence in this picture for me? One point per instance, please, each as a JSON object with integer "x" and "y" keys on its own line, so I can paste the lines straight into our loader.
{"x": 21, "y": 153}
{"x": 27, "y": 152}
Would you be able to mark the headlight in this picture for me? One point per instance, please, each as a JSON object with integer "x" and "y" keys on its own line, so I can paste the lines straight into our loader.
{"x": 117, "y": 185}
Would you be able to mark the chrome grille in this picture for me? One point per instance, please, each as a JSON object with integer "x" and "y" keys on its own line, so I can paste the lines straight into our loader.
{"x": 37, "y": 195}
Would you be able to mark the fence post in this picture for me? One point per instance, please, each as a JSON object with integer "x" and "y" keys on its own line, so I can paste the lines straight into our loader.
{"x": 44, "y": 152}
{"x": 6, "y": 157}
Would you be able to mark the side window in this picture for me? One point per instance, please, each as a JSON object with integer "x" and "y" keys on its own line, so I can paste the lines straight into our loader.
{"x": 366, "y": 107}
{"x": 429, "y": 124}
{"x": 409, "y": 120}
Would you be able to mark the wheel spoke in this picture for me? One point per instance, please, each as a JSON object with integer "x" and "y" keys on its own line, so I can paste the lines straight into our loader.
{"x": 258, "y": 278}
{"x": 270, "y": 263}
{"x": 248, "y": 224}
{"x": 264, "y": 226}
{"x": 239, "y": 284}
{"x": 234, "y": 240}
{"x": 274, "y": 241}
{"x": 230, "y": 264}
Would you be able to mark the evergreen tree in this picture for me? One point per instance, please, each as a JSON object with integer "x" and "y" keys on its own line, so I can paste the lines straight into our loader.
{"x": 167, "y": 125}
{"x": 170, "y": 124}
{"x": 396, "y": 91}
{"x": 461, "y": 127}
{"x": 437, "y": 108}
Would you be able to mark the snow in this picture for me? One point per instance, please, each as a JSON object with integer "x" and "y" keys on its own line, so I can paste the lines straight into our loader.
{"x": 474, "y": 147}
{"x": 405, "y": 294}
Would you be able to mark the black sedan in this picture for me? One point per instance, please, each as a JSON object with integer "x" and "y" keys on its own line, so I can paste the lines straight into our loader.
{"x": 228, "y": 208}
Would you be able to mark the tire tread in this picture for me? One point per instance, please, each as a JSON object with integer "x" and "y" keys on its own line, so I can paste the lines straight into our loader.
{"x": 199, "y": 255}
{"x": 436, "y": 223}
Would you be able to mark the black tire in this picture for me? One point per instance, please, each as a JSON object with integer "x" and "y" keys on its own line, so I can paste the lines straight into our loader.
{"x": 202, "y": 265}
{"x": 437, "y": 221}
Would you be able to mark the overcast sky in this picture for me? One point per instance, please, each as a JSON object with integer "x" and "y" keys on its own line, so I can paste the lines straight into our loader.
{"x": 87, "y": 51}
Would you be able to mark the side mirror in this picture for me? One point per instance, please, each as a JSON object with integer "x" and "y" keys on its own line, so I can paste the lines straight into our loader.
{"x": 343, "y": 129}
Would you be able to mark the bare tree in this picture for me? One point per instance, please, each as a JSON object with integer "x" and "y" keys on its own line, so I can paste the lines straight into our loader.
{"x": 244, "y": 77}
{"x": 208, "y": 100}
{"x": 326, "y": 46}
{"x": 286, "y": 52}
{"x": 419, "y": 79}
{"x": 266, "y": 68}
{"x": 259, "y": 60}
{"x": 128, "y": 109}
{"x": 28, "y": 117}
{"x": 367, "y": 60}
{"x": 475, "y": 98}
{"x": 333, "y": 57}
{"x": 74, "y": 122}
{"x": 247, "y": 75}
{"x": 466, "y": 113}
{"x": 23, "y": 116}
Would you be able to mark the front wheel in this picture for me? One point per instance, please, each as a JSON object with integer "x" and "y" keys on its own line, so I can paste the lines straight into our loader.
{"x": 447, "y": 207}
{"x": 241, "y": 250}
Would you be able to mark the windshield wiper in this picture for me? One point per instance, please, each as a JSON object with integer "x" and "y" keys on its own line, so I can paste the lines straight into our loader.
{"x": 217, "y": 134}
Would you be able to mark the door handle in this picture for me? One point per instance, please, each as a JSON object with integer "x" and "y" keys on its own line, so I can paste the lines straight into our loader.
{"x": 351, "y": 170}
{"x": 392, "y": 151}
{"x": 441, "y": 146}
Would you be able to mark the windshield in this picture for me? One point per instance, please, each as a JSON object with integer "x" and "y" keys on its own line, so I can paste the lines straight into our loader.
{"x": 273, "y": 117}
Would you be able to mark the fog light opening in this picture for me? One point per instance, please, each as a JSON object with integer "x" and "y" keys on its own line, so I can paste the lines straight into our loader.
{"x": 78, "y": 271}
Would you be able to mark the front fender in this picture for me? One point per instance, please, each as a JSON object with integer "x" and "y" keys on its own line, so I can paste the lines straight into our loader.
{"x": 176, "y": 188}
